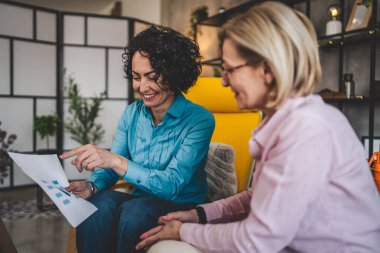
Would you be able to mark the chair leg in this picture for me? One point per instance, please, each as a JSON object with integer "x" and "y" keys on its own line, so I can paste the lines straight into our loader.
{"x": 6, "y": 244}
{"x": 72, "y": 242}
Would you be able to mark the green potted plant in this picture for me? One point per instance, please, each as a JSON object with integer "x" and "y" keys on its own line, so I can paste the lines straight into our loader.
{"x": 46, "y": 126}
{"x": 197, "y": 15}
{"x": 5, "y": 160}
{"x": 82, "y": 124}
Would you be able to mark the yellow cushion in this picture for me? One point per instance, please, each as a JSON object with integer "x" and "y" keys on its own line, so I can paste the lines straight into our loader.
{"x": 209, "y": 92}
{"x": 235, "y": 129}
{"x": 233, "y": 126}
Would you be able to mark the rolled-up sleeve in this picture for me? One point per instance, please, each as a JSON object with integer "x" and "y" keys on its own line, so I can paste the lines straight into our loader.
{"x": 230, "y": 209}
{"x": 106, "y": 178}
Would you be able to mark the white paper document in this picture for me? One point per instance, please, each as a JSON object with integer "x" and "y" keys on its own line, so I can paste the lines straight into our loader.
{"x": 47, "y": 172}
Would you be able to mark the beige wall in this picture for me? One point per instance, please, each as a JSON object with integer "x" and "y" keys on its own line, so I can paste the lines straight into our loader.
{"x": 148, "y": 10}
{"x": 172, "y": 13}
{"x": 84, "y": 6}
{"x": 176, "y": 14}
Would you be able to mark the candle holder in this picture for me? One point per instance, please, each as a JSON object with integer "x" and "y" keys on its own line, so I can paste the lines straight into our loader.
{"x": 333, "y": 26}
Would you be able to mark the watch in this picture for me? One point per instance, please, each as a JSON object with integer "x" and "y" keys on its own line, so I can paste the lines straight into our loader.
{"x": 201, "y": 215}
{"x": 92, "y": 187}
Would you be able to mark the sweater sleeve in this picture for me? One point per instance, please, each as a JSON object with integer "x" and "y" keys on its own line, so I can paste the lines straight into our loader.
{"x": 230, "y": 209}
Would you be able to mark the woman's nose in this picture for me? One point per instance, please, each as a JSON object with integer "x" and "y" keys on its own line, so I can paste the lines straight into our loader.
{"x": 144, "y": 84}
{"x": 225, "y": 82}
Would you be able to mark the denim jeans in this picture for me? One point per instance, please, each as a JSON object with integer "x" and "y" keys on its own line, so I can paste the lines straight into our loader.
{"x": 120, "y": 220}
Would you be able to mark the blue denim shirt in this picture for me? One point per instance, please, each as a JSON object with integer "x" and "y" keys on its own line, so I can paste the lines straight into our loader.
{"x": 166, "y": 160}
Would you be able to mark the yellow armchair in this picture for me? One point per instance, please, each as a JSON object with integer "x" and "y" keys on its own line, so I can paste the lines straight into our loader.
{"x": 232, "y": 126}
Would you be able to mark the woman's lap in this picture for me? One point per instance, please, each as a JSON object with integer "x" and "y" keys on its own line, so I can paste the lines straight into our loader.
{"x": 170, "y": 246}
{"x": 120, "y": 220}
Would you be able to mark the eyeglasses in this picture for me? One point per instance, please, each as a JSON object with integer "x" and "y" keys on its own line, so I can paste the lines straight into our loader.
{"x": 229, "y": 71}
{"x": 232, "y": 69}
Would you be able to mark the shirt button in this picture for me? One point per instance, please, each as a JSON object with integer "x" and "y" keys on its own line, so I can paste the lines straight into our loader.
{"x": 138, "y": 181}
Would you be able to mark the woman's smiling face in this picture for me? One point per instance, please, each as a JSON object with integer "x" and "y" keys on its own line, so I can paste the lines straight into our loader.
{"x": 146, "y": 82}
{"x": 249, "y": 83}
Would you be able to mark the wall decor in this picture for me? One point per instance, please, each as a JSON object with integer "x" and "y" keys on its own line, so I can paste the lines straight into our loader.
{"x": 360, "y": 15}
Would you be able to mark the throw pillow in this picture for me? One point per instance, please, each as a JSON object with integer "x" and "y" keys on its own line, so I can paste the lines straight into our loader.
{"x": 220, "y": 170}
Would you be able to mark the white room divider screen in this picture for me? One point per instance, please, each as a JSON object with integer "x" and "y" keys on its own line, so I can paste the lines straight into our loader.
{"x": 36, "y": 45}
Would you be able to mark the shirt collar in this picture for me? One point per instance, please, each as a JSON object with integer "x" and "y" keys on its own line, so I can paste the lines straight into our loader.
{"x": 176, "y": 109}
{"x": 178, "y": 106}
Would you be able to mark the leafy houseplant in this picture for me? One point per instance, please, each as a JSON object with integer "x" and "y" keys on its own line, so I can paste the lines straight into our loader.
{"x": 46, "y": 126}
{"x": 84, "y": 111}
{"x": 367, "y": 3}
{"x": 217, "y": 71}
{"x": 197, "y": 15}
{"x": 5, "y": 160}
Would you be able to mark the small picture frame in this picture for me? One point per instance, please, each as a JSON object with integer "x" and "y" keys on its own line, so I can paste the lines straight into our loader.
{"x": 360, "y": 15}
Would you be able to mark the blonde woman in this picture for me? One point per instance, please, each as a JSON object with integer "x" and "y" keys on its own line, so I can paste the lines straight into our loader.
{"x": 312, "y": 189}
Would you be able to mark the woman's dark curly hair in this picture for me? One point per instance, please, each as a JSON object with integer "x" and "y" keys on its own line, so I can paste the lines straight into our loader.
{"x": 173, "y": 56}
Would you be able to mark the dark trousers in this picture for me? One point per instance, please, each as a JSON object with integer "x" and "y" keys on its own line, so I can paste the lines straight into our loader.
{"x": 120, "y": 220}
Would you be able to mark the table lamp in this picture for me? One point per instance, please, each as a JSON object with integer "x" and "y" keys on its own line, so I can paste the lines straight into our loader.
{"x": 334, "y": 25}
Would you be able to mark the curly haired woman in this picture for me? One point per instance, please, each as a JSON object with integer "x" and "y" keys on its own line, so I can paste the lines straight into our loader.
{"x": 160, "y": 146}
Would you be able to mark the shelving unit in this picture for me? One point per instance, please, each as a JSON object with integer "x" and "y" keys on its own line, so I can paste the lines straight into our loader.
{"x": 339, "y": 42}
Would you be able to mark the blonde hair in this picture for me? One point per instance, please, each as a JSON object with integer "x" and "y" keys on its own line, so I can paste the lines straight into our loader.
{"x": 285, "y": 40}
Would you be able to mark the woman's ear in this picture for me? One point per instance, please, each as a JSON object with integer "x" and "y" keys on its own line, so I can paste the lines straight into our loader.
{"x": 268, "y": 74}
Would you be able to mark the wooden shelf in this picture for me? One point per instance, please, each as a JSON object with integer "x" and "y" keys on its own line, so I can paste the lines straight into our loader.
{"x": 346, "y": 100}
{"x": 220, "y": 18}
{"x": 352, "y": 37}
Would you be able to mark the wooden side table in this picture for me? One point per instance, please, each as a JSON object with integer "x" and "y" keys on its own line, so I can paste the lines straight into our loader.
{"x": 6, "y": 243}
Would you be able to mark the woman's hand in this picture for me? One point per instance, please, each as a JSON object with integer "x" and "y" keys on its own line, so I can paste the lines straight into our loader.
{"x": 183, "y": 216}
{"x": 169, "y": 231}
{"x": 170, "y": 228}
{"x": 80, "y": 188}
{"x": 90, "y": 157}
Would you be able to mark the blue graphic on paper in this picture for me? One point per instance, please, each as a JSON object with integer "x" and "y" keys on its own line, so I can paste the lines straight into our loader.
{"x": 62, "y": 194}
{"x": 64, "y": 191}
